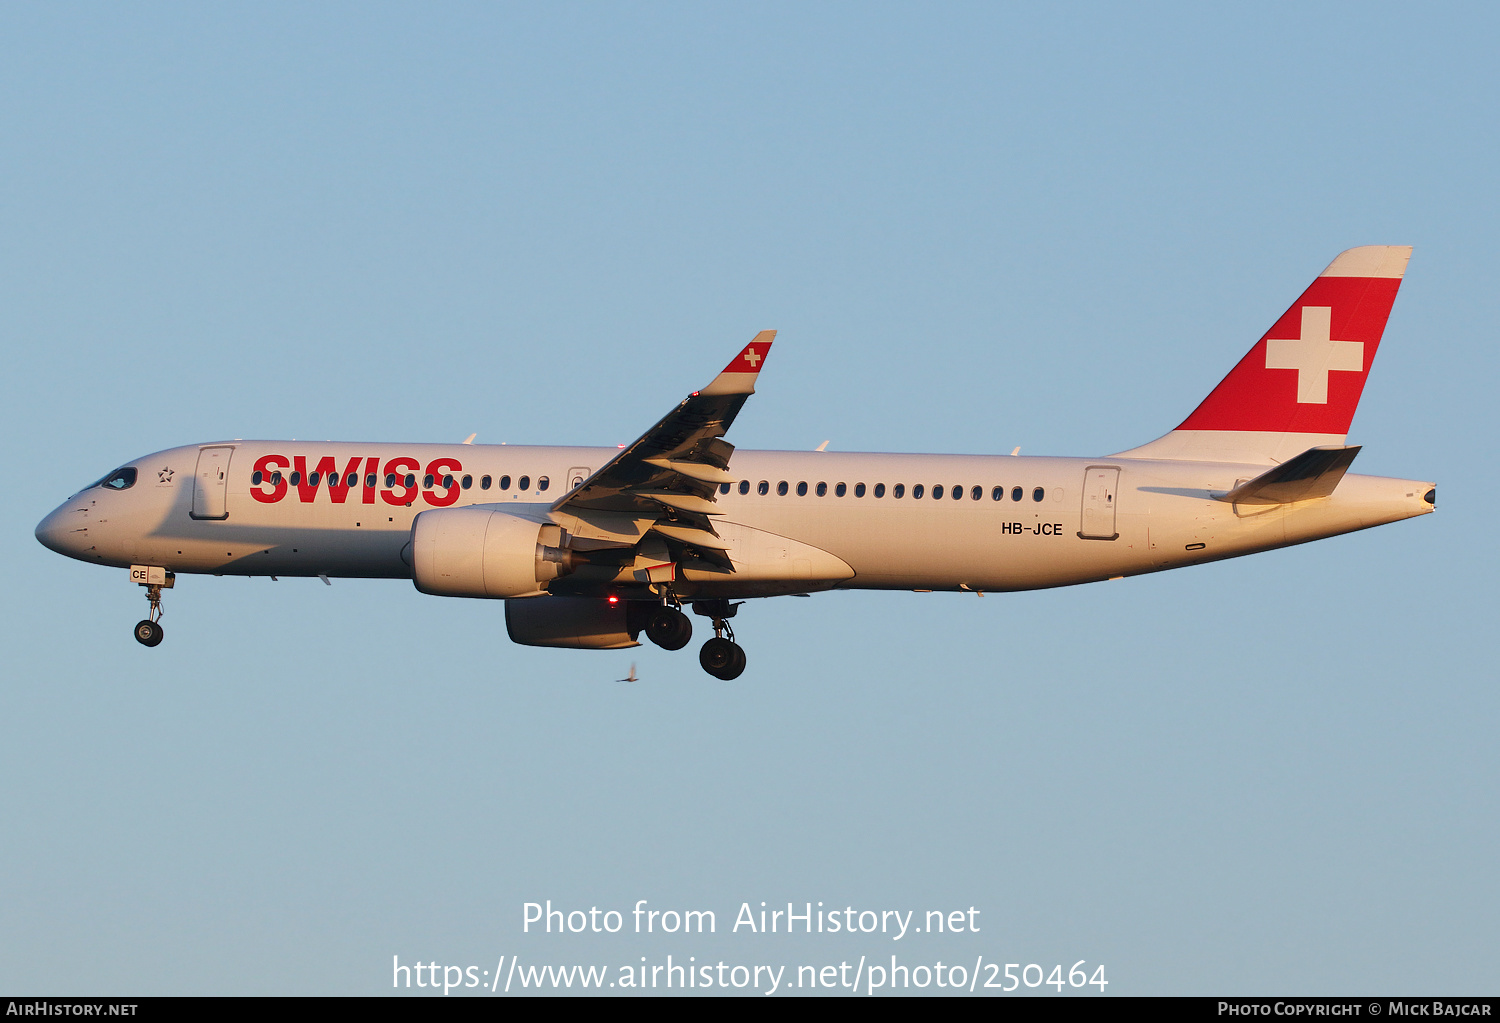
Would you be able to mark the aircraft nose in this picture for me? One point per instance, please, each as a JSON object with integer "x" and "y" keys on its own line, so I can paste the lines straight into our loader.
{"x": 57, "y": 533}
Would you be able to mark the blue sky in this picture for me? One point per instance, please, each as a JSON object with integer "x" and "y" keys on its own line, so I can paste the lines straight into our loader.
{"x": 976, "y": 227}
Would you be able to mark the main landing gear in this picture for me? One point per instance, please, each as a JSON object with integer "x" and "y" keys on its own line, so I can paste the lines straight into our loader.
{"x": 669, "y": 628}
{"x": 721, "y": 656}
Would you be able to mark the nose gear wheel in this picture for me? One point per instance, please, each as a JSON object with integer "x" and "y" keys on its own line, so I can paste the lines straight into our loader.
{"x": 148, "y": 630}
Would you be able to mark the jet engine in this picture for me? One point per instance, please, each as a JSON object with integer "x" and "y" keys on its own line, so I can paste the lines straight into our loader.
{"x": 581, "y": 623}
{"x": 476, "y": 552}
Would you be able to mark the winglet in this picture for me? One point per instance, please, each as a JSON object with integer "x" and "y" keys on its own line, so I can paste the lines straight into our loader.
{"x": 739, "y": 376}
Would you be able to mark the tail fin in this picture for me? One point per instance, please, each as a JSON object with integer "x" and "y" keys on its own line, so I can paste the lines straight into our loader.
{"x": 1299, "y": 386}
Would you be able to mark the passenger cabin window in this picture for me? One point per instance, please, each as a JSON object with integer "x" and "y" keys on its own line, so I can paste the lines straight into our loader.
{"x": 802, "y": 489}
{"x": 822, "y": 489}
{"x": 504, "y": 482}
{"x": 998, "y": 493}
{"x": 899, "y": 490}
{"x": 542, "y": 483}
{"x": 524, "y": 483}
{"x": 333, "y": 479}
{"x": 937, "y": 492}
{"x": 1016, "y": 493}
{"x": 467, "y": 482}
{"x": 724, "y": 488}
{"x": 781, "y": 488}
{"x": 427, "y": 481}
{"x": 370, "y": 481}
{"x": 296, "y": 479}
{"x": 390, "y": 479}
{"x": 276, "y": 478}
{"x": 880, "y": 490}
{"x": 977, "y": 494}
{"x": 744, "y": 487}
{"x": 312, "y": 479}
{"x": 859, "y": 490}
{"x": 411, "y": 479}
{"x": 257, "y": 478}
{"x": 916, "y": 492}
{"x": 1038, "y": 494}
{"x": 840, "y": 490}
{"x": 484, "y": 482}
{"x": 447, "y": 481}
{"x": 764, "y": 488}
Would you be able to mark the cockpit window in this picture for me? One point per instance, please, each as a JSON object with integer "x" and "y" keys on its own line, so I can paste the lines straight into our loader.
{"x": 120, "y": 479}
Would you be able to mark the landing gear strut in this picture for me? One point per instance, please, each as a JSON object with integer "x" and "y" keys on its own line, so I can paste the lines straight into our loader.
{"x": 721, "y": 656}
{"x": 148, "y": 630}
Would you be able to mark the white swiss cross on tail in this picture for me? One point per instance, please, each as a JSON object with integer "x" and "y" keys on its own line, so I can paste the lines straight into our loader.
{"x": 1314, "y": 355}
{"x": 752, "y": 356}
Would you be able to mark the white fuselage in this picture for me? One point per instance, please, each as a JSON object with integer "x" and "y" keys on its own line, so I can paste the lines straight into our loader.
{"x": 1158, "y": 514}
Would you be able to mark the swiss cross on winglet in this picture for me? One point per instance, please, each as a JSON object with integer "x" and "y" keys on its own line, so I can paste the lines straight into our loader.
{"x": 739, "y": 376}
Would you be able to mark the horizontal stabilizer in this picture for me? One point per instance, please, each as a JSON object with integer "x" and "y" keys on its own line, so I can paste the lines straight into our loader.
{"x": 1312, "y": 474}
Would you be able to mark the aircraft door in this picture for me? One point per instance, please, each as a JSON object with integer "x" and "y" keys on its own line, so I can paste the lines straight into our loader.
{"x": 210, "y": 483}
{"x": 1101, "y": 484}
{"x": 576, "y": 476}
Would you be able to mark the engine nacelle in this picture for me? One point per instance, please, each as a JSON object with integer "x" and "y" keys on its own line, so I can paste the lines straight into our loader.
{"x": 581, "y": 623}
{"x": 476, "y": 552}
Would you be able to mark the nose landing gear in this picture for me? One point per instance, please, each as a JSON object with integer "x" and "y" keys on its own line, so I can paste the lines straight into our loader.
{"x": 148, "y": 630}
{"x": 721, "y": 656}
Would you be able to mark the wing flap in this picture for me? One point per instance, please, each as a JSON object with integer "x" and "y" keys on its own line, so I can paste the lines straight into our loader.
{"x": 681, "y": 502}
{"x": 701, "y": 539}
{"x": 664, "y": 483}
{"x": 702, "y": 472}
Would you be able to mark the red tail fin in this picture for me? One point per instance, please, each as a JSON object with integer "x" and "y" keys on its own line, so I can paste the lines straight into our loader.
{"x": 1299, "y": 386}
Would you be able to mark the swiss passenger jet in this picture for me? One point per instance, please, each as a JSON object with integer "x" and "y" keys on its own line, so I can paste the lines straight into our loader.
{"x": 589, "y": 547}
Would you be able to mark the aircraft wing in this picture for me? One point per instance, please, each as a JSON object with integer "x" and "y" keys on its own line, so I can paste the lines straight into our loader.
{"x": 665, "y": 481}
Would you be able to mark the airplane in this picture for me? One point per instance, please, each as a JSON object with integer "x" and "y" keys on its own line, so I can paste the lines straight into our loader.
{"x": 589, "y": 547}
{"x": 631, "y": 677}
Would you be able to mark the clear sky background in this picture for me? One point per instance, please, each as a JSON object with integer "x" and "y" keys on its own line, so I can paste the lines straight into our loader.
{"x": 976, "y": 227}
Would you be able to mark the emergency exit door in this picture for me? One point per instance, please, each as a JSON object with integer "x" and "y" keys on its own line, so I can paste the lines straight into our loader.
{"x": 1101, "y": 484}
{"x": 211, "y": 483}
